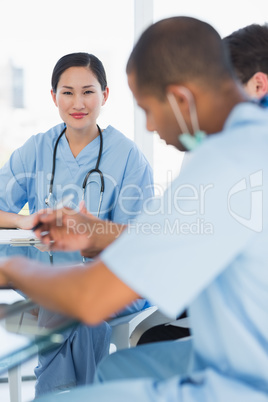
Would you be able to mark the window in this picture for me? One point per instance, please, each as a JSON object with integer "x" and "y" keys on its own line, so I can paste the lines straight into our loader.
{"x": 36, "y": 34}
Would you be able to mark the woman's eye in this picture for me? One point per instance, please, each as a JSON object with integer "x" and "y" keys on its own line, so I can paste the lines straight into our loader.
{"x": 67, "y": 93}
{"x": 88, "y": 92}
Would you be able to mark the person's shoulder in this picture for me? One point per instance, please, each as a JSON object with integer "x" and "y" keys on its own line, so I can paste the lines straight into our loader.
{"x": 114, "y": 138}
{"x": 112, "y": 134}
{"x": 246, "y": 117}
{"x": 116, "y": 141}
{"x": 43, "y": 138}
{"x": 264, "y": 101}
{"x": 244, "y": 132}
{"x": 123, "y": 157}
{"x": 38, "y": 143}
{"x": 49, "y": 135}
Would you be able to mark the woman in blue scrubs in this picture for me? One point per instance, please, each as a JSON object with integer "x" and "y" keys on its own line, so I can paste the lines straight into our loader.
{"x": 79, "y": 90}
{"x": 99, "y": 166}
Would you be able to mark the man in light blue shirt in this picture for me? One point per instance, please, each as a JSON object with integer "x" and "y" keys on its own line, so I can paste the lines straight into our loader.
{"x": 248, "y": 51}
{"x": 204, "y": 248}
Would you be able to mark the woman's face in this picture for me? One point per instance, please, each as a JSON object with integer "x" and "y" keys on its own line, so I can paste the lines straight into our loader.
{"x": 79, "y": 98}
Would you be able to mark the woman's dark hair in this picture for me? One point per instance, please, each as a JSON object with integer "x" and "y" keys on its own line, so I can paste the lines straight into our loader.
{"x": 79, "y": 60}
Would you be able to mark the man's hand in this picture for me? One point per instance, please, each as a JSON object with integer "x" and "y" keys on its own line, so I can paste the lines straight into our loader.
{"x": 3, "y": 278}
{"x": 66, "y": 229}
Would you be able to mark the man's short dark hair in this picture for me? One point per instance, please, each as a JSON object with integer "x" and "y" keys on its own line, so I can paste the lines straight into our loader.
{"x": 248, "y": 48}
{"x": 178, "y": 50}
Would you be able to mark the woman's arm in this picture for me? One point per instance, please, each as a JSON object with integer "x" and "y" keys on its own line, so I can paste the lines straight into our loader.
{"x": 15, "y": 177}
{"x": 12, "y": 220}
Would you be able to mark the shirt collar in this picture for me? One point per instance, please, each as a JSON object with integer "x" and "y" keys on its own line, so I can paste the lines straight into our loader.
{"x": 244, "y": 113}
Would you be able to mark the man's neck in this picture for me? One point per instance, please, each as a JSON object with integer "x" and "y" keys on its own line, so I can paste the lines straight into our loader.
{"x": 216, "y": 106}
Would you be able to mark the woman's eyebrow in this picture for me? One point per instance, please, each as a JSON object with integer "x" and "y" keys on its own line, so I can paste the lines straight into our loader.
{"x": 85, "y": 86}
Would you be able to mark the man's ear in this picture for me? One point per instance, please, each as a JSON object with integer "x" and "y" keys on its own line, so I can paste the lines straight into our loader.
{"x": 180, "y": 93}
{"x": 257, "y": 86}
{"x": 185, "y": 97}
{"x": 181, "y": 100}
{"x": 54, "y": 97}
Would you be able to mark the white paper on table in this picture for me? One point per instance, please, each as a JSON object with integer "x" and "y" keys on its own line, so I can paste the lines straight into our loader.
{"x": 17, "y": 236}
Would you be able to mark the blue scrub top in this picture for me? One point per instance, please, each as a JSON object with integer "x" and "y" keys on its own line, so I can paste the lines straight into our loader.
{"x": 127, "y": 174}
{"x": 264, "y": 101}
{"x": 208, "y": 253}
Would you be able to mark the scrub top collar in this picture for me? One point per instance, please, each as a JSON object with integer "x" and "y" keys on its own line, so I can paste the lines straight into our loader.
{"x": 241, "y": 113}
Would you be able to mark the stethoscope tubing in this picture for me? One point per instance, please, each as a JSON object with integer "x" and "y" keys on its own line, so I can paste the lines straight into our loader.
{"x": 95, "y": 170}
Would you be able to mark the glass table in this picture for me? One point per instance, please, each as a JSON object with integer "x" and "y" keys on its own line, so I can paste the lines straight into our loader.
{"x": 22, "y": 334}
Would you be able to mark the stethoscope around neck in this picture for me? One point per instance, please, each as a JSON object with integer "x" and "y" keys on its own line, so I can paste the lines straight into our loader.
{"x": 50, "y": 200}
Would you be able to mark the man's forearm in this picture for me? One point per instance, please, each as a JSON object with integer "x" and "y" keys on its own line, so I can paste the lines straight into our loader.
{"x": 89, "y": 292}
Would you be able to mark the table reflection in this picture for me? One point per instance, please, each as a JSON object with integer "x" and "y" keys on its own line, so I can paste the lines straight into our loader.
{"x": 40, "y": 253}
{"x": 25, "y": 328}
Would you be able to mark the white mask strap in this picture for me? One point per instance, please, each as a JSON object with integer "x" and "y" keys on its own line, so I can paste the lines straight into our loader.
{"x": 189, "y": 141}
{"x": 177, "y": 113}
{"x": 193, "y": 113}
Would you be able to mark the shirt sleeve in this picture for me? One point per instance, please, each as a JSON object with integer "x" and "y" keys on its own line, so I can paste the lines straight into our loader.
{"x": 136, "y": 188}
{"x": 16, "y": 178}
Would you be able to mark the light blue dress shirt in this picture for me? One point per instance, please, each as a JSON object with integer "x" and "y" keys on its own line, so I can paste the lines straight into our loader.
{"x": 208, "y": 252}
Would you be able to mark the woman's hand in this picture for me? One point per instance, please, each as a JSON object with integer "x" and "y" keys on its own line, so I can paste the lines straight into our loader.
{"x": 25, "y": 221}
